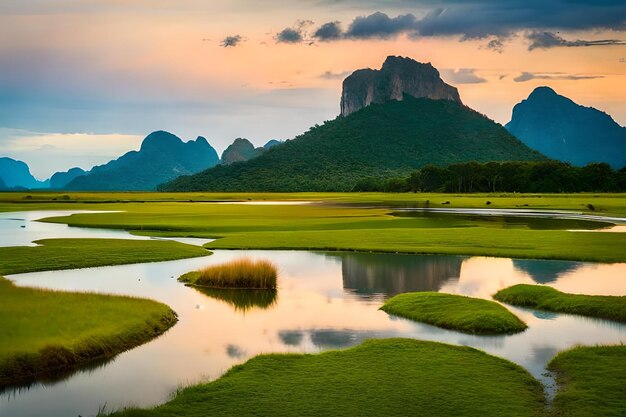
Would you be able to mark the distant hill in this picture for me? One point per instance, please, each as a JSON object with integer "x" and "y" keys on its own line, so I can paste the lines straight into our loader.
{"x": 240, "y": 150}
{"x": 561, "y": 129}
{"x": 380, "y": 140}
{"x": 17, "y": 174}
{"x": 162, "y": 157}
{"x": 61, "y": 179}
{"x": 243, "y": 150}
{"x": 3, "y": 186}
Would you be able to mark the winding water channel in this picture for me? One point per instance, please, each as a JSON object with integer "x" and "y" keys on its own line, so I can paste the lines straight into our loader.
{"x": 325, "y": 301}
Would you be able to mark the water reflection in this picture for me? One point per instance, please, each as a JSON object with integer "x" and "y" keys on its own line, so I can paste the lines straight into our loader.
{"x": 515, "y": 219}
{"x": 326, "y": 301}
{"x": 22, "y": 229}
{"x": 241, "y": 299}
{"x": 291, "y": 337}
{"x": 544, "y": 272}
{"x": 384, "y": 275}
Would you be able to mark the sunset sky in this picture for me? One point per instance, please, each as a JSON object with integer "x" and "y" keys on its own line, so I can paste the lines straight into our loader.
{"x": 83, "y": 81}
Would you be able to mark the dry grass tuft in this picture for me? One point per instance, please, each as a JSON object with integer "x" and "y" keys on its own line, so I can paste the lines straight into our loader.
{"x": 239, "y": 273}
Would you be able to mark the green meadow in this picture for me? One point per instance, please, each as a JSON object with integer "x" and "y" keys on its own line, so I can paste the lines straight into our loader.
{"x": 602, "y": 203}
{"x": 377, "y": 378}
{"x": 49, "y": 333}
{"x": 456, "y": 312}
{"x": 358, "y": 222}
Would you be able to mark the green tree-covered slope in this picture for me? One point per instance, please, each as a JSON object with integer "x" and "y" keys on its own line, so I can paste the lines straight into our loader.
{"x": 381, "y": 140}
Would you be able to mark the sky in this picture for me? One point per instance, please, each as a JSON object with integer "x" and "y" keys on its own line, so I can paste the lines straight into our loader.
{"x": 83, "y": 81}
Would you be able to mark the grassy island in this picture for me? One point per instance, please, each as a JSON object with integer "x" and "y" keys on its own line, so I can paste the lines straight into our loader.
{"x": 455, "y": 312}
{"x": 241, "y": 273}
{"x": 54, "y": 254}
{"x": 47, "y": 334}
{"x": 592, "y": 381}
{"x": 377, "y": 378}
{"x": 542, "y": 297}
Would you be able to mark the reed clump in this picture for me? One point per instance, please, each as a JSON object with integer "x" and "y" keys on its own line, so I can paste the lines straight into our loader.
{"x": 239, "y": 273}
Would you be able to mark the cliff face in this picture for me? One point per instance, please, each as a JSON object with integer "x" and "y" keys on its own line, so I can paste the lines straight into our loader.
{"x": 397, "y": 77}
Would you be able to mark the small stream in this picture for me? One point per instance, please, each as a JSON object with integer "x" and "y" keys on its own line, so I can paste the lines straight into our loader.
{"x": 325, "y": 301}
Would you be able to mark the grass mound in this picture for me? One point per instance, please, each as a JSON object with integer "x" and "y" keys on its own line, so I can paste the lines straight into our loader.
{"x": 378, "y": 378}
{"x": 456, "y": 312}
{"x": 239, "y": 273}
{"x": 547, "y": 298}
{"x": 47, "y": 334}
{"x": 592, "y": 381}
{"x": 55, "y": 254}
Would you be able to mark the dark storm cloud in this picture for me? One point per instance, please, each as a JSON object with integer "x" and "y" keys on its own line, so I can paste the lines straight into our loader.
{"x": 295, "y": 34}
{"x": 528, "y": 76}
{"x": 232, "y": 40}
{"x": 494, "y": 20}
{"x": 289, "y": 35}
{"x": 496, "y": 45}
{"x": 328, "y": 32}
{"x": 545, "y": 40}
{"x": 379, "y": 25}
{"x": 463, "y": 76}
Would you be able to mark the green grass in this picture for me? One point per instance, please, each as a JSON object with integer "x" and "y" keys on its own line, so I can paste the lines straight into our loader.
{"x": 240, "y": 273}
{"x": 42, "y": 200}
{"x": 326, "y": 226}
{"x": 547, "y": 298}
{"x": 456, "y": 312}
{"x": 46, "y": 334}
{"x": 592, "y": 382}
{"x": 54, "y": 254}
{"x": 378, "y": 378}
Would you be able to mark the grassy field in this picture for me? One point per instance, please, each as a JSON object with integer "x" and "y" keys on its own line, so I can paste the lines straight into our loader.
{"x": 592, "y": 382}
{"x": 456, "y": 312}
{"x": 47, "y": 334}
{"x": 602, "y": 203}
{"x": 331, "y": 227}
{"x": 53, "y": 254}
{"x": 547, "y": 298}
{"x": 377, "y": 378}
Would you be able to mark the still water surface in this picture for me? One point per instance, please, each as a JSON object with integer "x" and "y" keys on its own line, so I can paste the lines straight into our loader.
{"x": 324, "y": 301}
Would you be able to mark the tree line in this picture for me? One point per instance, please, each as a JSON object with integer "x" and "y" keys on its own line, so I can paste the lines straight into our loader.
{"x": 491, "y": 177}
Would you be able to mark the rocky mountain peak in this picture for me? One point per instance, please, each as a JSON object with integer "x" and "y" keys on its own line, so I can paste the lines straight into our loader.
{"x": 398, "y": 76}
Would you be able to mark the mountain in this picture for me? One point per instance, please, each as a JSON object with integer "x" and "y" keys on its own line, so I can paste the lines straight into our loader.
{"x": 240, "y": 150}
{"x": 380, "y": 140}
{"x": 3, "y": 186}
{"x": 61, "y": 179}
{"x": 17, "y": 174}
{"x": 561, "y": 129}
{"x": 162, "y": 157}
{"x": 271, "y": 143}
{"x": 398, "y": 77}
